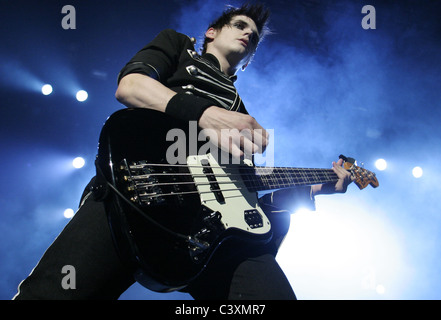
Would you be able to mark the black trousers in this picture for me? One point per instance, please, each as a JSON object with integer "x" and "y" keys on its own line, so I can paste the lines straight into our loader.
{"x": 86, "y": 244}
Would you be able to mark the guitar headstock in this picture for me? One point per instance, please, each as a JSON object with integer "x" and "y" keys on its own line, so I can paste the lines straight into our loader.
{"x": 362, "y": 176}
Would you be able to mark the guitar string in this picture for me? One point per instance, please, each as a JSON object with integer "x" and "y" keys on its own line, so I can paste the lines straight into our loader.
{"x": 241, "y": 167}
{"x": 251, "y": 188}
{"x": 196, "y": 185}
{"x": 358, "y": 169}
{"x": 302, "y": 173}
{"x": 290, "y": 180}
{"x": 151, "y": 195}
{"x": 266, "y": 170}
{"x": 319, "y": 176}
{"x": 267, "y": 183}
{"x": 310, "y": 179}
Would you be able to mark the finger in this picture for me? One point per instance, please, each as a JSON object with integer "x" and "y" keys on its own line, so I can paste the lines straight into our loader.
{"x": 249, "y": 148}
{"x": 339, "y": 162}
{"x": 235, "y": 151}
{"x": 261, "y": 139}
{"x": 341, "y": 172}
{"x": 258, "y": 132}
{"x": 337, "y": 168}
{"x": 252, "y": 143}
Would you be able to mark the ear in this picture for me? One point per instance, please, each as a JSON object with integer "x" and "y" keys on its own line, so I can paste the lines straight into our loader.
{"x": 211, "y": 33}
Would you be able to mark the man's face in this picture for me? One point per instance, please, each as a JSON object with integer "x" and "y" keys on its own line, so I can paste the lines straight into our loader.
{"x": 239, "y": 38}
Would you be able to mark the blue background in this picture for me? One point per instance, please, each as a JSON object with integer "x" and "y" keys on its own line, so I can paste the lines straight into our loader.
{"x": 322, "y": 82}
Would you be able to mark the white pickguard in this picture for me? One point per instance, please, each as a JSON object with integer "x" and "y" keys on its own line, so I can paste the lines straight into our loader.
{"x": 237, "y": 198}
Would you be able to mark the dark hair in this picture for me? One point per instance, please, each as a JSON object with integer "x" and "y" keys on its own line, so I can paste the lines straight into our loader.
{"x": 257, "y": 12}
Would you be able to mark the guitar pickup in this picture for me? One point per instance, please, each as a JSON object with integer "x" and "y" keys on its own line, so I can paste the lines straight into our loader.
{"x": 214, "y": 186}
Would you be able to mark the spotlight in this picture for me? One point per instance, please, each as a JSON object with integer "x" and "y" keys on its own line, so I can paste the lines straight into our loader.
{"x": 82, "y": 95}
{"x": 78, "y": 163}
{"x": 417, "y": 172}
{"x": 302, "y": 211}
{"x": 46, "y": 89}
{"x": 68, "y": 213}
{"x": 381, "y": 164}
{"x": 380, "y": 289}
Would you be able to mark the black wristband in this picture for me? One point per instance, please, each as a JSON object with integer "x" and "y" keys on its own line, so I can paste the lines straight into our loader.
{"x": 187, "y": 107}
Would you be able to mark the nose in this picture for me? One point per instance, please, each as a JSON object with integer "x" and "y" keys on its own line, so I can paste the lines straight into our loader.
{"x": 251, "y": 36}
{"x": 248, "y": 32}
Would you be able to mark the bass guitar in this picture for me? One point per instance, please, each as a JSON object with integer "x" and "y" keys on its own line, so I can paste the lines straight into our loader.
{"x": 168, "y": 219}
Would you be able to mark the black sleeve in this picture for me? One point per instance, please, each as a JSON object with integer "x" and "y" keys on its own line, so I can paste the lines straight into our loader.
{"x": 290, "y": 199}
{"x": 159, "y": 58}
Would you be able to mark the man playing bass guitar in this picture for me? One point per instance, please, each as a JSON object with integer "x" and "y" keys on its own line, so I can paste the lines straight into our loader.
{"x": 170, "y": 77}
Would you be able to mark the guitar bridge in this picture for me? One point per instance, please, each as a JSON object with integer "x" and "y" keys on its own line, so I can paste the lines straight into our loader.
{"x": 152, "y": 184}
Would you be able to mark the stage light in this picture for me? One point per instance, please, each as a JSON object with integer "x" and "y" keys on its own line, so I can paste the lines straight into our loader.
{"x": 68, "y": 213}
{"x": 380, "y": 289}
{"x": 331, "y": 246}
{"x": 417, "y": 172}
{"x": 302, "y": 210}
{"x": 381, "y": 164}
{"x": 78, "y": 163}
{"x": 82, "y": 95}
{"x": 46, "y": 89}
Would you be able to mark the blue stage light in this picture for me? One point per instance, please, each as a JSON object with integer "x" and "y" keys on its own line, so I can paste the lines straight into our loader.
{"x": 417, "y": 172}
{"x": 78, "y": 163}
{"x": 46, "y": 89}
{"x": 381, "y": 164}
{"x": 82, "y": 95}
{"x": 69, "y": 213}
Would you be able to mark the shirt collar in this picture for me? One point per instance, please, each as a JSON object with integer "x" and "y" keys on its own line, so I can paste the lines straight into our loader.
{"x": 213, "y": 60}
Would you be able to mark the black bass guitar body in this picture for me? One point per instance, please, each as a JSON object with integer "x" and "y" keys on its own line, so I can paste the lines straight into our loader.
{"x": 168, "y": 219}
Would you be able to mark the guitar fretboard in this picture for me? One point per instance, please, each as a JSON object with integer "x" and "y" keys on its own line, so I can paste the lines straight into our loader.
{"x": 264, "y": 178}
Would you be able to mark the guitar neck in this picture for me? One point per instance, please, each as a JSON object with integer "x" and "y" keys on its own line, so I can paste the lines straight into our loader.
{"x": 271, "y": 178}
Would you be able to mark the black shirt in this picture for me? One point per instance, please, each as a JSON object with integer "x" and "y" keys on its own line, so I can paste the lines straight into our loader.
{"x": 172, "y": 60}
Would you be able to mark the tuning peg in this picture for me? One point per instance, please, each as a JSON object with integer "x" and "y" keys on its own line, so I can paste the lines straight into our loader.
{"x": 346, "y": 159}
